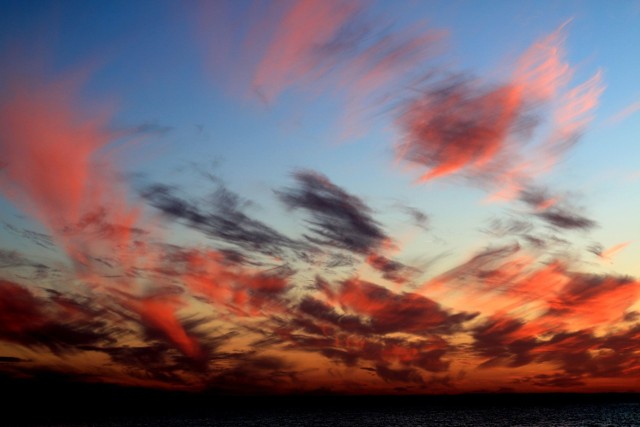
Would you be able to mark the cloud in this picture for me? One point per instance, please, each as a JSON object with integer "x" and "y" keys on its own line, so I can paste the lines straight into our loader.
{"x": 555, "y": 380}
{"x": 579, "y": 354}
{"x": 42, "y": 323}
{"x": 394, "y": 312}
{"x": 151, "y": 128}
{"x": 244, "y": 290}
{"x": 508, "y": 227}
{"x": 41, "y": 239}
{"x": 158, "y": 315}
{"x": 458, "y": 124}
{"x": 10, "y": 258}
{"x": 543, "y": 289}
{"x": 338, "y": 218}
{"x": 624, "y": 113}
{"x": 500, "y": 339}
{"x": 303, "y": 26}
{"x": 343, "y": 221}
{"x": 11, "y": 359}
{"x": 161, "y": 362}
{"x": 537, "y": 198}
{"x": 358, "y": 323}
{"x": 405, "y": 375}
{"x": 486, "y": 259}
{"x": 226, "y": 312}
{"x": 612, "y": 295}
{"x": 609, "y": 253}
{"x": 351, "y": 344}
{"x": 391, "y": 270}
{"x": 257, "y": 373}
{"x": 223, "y": 218}
{"x": 320, "y": 310}
{"x": 419, "y": 218}
{"x": 485, "y": 131}
{"x": 343, "y": 49}
{"x": 48, "y": 146}
{"x": 563, "y": 218}
{"x": 57, "y": 169}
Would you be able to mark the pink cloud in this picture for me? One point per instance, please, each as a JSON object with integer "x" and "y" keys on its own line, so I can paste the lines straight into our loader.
{"x": 624, "y": 113}
{"x": 486, "y": 132}
{"x": 304, "y": 26}
{"x": 56, "y": 170}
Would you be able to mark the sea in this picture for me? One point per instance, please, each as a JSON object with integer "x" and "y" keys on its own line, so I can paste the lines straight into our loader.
{"x": 485, "y": 414}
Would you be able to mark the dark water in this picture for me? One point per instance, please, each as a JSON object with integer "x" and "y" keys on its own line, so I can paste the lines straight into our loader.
{"x": 606, "y": 414}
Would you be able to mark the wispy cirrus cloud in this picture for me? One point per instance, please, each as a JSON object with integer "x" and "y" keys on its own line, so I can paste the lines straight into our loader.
{"x": 488, "y": 131}
{"x": 57, "y": 170}
{"x": 344, "y": 221}
{"x": 577, "y": 356}
{"x": 61, "y": 326}
{"x": 242, "y": 305}
{"x": 314, "y": 48}
{"x": 303, "y": 27}
{"x": 222, "y": 217}
{"x": 339, "y": 219}
{"x": 624, "y": 113}
{"x": 608, "y": 253}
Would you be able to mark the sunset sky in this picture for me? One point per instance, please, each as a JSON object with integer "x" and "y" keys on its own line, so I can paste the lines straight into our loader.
{"x": 288, "y": 196}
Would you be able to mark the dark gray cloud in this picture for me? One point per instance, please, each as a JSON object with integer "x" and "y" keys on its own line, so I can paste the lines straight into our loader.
{"x": 41, "y": 239}
{"x": 12, "y": 359}
{"x": 501, "y": 341}
{"x": 419, "y": 218}
{"x": 564, "y": 218}
{"x": 394, "y": 271}
{"x": 254, "y": 372}
{"x": 508, "y": 227}
{"x": 560, "y": 380}
{"x": 494, "y": 340}
{"x": 222, "y": 217}
{"x": 338, "y": 218}
{"x": 405, "y": 375}
{"x": 10, "y": 258}
{"x": 555, "y": 210}
{"x": 35, "y": 322}
{"x": 322, "y": 311}
{"x": 152, "y": 128}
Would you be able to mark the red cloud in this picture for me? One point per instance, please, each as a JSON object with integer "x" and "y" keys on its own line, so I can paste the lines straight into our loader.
{"x": 158, "y": 313}
{"x": 478, "y": 129}
{"x": 459, "y": 125}
{"x": 59, "y": 324}
{"x": 394, "y": 312}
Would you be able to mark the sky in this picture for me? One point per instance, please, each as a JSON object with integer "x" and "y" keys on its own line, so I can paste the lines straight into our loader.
{"x": 359, "y": 197}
